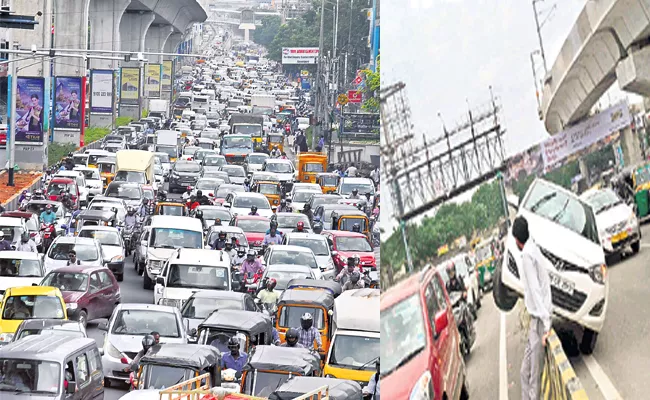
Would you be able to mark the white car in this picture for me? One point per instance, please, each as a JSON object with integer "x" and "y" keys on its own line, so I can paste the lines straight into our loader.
{"x": 284, "y": 169}
{"x": 292, "y": 255}
{"x": 301, "y": 197}
{"x": 318, "y": 245}
{"x": 362, "y": 185}
{"x": 13, "y": 228}
{"x": 240, "y": 203}
{"x": 618, "y": 225}
{"x": 93, "y": 180}
{"x": 105, "y": 206}
{"x": 207, "y": 186}
{"x": 254, "y": 162}
{"x": 236, "y": 173}
{"x": 283, "y": 273}
{"x": 192, "y": 270}
{"x": 125, "y": 330}
{"x": 112, "y": 245}
{"x": 89, "y": 252}
{"x": 20, "y": 268}
{"x": 564, "y": 228}
{"x": 288, "y": 221}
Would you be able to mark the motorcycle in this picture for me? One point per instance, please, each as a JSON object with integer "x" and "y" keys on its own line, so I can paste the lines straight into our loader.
{"x": 127, "y": 236}
{"x": 464, "y": 321}
{"x": 49, "y": 233}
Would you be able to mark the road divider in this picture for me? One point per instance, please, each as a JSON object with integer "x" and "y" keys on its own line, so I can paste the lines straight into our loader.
{"x": 559, "y": 380}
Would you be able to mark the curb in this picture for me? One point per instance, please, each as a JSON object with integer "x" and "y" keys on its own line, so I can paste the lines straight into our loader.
{"x": 10, "y": 205}
{"x": 559, "y": 380}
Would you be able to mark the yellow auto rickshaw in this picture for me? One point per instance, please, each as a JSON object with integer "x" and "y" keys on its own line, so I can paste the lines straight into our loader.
{"x": 310, "y": 165}
{"x": 345, "y": 218}
{"x": 293, "y": 303}
{"x": 271, "y": 190}
{"x": 328, "y": 181}
{"x": 106, "y": 168}
{"x": 275, "y": 139}
{"x": 171, "y": 208}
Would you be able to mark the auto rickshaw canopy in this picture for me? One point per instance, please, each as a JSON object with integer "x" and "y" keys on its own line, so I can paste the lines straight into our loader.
{"x": 339, "y": 389}
{"x": 250, "y": 322}
{"x": 297, "y": 360}
{"x": 317, "y": 298}
{"x": 183, "y": 355}
{"x": 330, "y": 286}
{"x": 162, "y": 207}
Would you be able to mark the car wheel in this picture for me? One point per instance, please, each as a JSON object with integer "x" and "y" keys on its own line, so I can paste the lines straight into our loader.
{"x": 464, "y": 391}
{"x": 107, "y": 382}
{"x": 147, "y": 283}
{"x": 588, "y": 342}
{"x": 636, "y": 246}
{"x": 504, "y": 298}
{"x": 119, "y": 277}
{"x": 478, "y": 299}
{"x": 140, "y": 268}
{"x": 83, "y": 318}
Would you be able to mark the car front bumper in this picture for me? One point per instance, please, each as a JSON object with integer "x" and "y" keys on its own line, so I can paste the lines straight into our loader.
{"x": 114, "y": 369}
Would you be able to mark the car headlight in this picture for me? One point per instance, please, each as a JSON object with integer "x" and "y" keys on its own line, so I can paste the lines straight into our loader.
{"x": 119, "y": 258}
{"x": 598, "y": 273}
{"x": 6, "y": 337}
{"x": 423, "y": 389}
{"x": 71, "y": 306}
{"x": 632, "y": 221}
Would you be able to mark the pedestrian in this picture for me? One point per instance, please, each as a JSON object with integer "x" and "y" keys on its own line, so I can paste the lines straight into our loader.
{"x": 537, "y": 299}
{"x": 321, "y": 144}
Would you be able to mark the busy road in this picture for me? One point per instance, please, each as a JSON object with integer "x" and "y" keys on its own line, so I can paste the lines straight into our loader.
{"x": 615, "y": 370}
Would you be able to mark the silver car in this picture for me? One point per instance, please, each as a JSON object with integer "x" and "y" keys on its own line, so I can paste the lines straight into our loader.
{"x": 318, "y": 245}
{"x": 112, "y": 246}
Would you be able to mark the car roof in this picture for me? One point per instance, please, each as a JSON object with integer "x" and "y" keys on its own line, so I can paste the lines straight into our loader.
{"x": 287, "y": 247}
{"x": 61, "y": 179}
{"x": 255, "y": 217}
{"x": 143, "y": 306}
{"x": 198, "y": 256}
{"x": 19, "y": 255}
{"x": 349, "y": 179}
{"x": 86, "y": 269}
{"x": 278, "y": 161}
{"x": 99, "y": 228}
{"x": 219, "y": 294}
{"x": 54, "y": 348}
{"x": 170, "y": 221}
{"x": 301, "y": 296}
{"x": 305, "y": 235}
{"x": 11, "y": 221}
{"x": 350, "y": 301}
{"x": 75, "y": 240}
{"x": 33, "y": 291}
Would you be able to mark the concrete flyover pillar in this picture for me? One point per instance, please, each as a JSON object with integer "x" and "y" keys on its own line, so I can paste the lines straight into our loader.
{"x": 155, "y": 41}
{"x": 631, "y": 147}
{"x": 105, "y": 17}
{"x": 171, "y": 46}
{"x": 633, "y": 72}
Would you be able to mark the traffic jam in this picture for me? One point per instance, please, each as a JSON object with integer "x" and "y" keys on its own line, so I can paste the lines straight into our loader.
{"x": 255, "y": 259}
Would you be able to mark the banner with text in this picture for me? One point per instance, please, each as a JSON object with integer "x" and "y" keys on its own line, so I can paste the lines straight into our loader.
{"x": 30, "y": 114}
{"x": 299, "y": 55}
{"x": 67, "y": 101}
{"x": 153, "y": 81}
{"x": 584, "y": 134}
{"x": 130, "y": 86}
{"x": 101, "y": 95}
{"x": 167, "y": 73}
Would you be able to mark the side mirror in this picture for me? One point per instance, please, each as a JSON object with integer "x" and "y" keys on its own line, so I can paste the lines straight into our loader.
{"x": 334, "y": 253}
{"x": 227, "y": 205}
{"x": 103, "y": 326}
{"x": 160, "y": 280}
{"x": 441, "y": 321}
{"x": 101, "y": 351}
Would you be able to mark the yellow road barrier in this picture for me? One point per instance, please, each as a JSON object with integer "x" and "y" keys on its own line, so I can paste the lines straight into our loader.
{"x": 559, "y": 380}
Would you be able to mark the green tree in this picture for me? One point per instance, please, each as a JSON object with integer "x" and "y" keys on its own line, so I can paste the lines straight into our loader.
{"x": 373, "y": 84}
{"x": 269, "y": 29}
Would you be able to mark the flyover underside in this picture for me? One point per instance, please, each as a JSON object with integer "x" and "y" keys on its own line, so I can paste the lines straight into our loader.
{"x": 605, "y": 35}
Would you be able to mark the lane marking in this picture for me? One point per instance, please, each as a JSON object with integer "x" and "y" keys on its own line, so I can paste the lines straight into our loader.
{"x": 645, "y": 244}
{"x": 503, "y": 359}
{"x": 605, "y": 385}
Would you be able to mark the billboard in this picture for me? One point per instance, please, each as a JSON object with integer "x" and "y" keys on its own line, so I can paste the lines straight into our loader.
{"x": 130, "y": 85}
{"x": 299, "y": 55}
{"x": 354, "y": 96}
{"x": 29, "y": 109}
{"x": 152, "y": 79}
{"x": 67, "y": 100}
{"x": 101, "y": 91}
{"x": 167, "y": 73}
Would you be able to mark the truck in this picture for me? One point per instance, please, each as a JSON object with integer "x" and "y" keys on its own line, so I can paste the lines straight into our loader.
{"x": 263, "y": 104}
{"x": 167, "y": 142}
{"x": 248, "y": 124}
{"x": 159, "y": 108}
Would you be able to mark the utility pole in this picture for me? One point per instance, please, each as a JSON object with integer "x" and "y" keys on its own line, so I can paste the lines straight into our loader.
{"x": 347, "y": 46}
{"x": 317, "y": 106}
{"x": 11, "y": 104}
{"x": 532, "y": 62}
{"x": 539, "y": 26}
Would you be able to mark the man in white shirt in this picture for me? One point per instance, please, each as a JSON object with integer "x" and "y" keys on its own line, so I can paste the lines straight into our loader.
{"x": 351, "y": 171}
{"x": 537, "y": 299}
{"x": 373, "y": 385}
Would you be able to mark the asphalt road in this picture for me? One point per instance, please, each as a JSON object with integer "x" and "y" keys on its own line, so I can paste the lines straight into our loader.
{"x": 618, "y": 367}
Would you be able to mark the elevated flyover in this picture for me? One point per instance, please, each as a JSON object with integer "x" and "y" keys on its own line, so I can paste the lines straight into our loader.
{"x": 607, "y": 43}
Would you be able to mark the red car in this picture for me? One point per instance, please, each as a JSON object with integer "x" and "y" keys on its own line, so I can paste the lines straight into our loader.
{"x": 348, "y": 244}
{"x": 421, "y": 356}
{"x": 57, "y": 184}
{"x": 254, "y": 228}
{"x": 89, "y": 292}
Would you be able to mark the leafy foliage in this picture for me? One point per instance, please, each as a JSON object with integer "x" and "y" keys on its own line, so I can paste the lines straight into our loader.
{"x": 269, "y": 29}
{"x": 373, "y": 84}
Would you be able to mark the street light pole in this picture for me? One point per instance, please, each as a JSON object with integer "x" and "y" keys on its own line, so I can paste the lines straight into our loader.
{"x": 539, "y": 35}
{"x": 11, "y": 132}
{"x": 318, "y": 101}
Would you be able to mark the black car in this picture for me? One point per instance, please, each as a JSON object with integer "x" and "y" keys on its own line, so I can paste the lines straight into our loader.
{"x": 184, "y": 174}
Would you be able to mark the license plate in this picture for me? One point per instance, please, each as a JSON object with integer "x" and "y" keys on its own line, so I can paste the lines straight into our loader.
{"x": 619, "y": 236}
{"x": 562, "y": 284}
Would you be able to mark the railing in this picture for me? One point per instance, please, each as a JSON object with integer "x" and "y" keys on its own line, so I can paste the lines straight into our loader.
{"x": 559, "y": 380}
{"x": 191, "y": 389}
{"x": 322, "y": 393}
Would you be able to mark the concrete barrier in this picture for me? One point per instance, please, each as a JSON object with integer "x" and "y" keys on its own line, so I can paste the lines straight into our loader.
{"x": 559, "y": 380}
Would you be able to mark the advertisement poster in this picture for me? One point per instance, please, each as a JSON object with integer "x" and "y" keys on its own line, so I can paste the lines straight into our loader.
{"x": 299, "y": 55}
{"x": 101, "y": 91}
{"x": 153, "y": 81}
{"x": 130, "y": 86}
{"x": 29, "y": 109}
{"x": 167, "y": 73}
{"x": 67, "y": 102}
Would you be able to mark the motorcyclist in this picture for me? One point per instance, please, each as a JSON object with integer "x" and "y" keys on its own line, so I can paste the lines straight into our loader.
{"x": 23, "y": 194}
{"x": 276, "y": 153}
{"x": 351, "y": 171}
{"x": 455, "y": 284}
{"x": 348, "y": 270}
{"x": 300, "y": 227}
{"x": 318, "y": 228}
{"x": 251, "y": 265}
{"x": 236, "y": 359}
{"x": 247, "y": 184}
{"x": 193, "y": 203}
{"x": 371, "y": 392}
{"x": 25, "y": 199}
{"x": 253, "y": 211}
{"x": 239, "y": 258}
{"x": 199, "y": 215}
{"x": 38, "y": 195}
{"x": 203, "y": 200}
{"x": 355, "y": 194}
{"x": 220, "y": 241}
{"x": 144, "y": 209}
{"x": 26, "y": 243}
{"x": 230, "y": 248}
{"x": 291, "y": 338}
{"x": 308, "y": 212}
{"x": 284, "y": 207}
{"x": 187, "y": 194}
{"x": 147, "y": 342}
{"x": 356, "y": 228}
{"x": 268, "y": 296}
{"x": 354, "y": 282}
{"x": 47, "y": 217}
{"x": 308, "y": 333}
{"x": 131, "y": 219}
{"x": 272, "y": 237}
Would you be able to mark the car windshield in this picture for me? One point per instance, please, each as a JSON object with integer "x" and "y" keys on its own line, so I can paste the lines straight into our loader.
{"x": 286, "y": 221}
{"x": 237, "y": 142}
{"x": 165, "y": 152}
{"x": 212, "y": 161}
{"x": 279, "y": 168}
{"x": 313, "y": 167}
{"x": 106, "y": 238}
{"x": 483, "y": 253}
{"x": 283, "y": 277}
{"x": 269, "y": 188}
{"x": 257, "y": 159}
{"x": 190, "y": 150}
{"x": 143, "y": 322}
{"x": 201, "y": 307}
{"x": 56, "y": 188}
{"x": 290, "y": 316}
{"x": 91, "y": 174}
{"x": 362, "y": 188}
{"x": 172, "y": 210}
{"x": 292, "y": 257}
{"x": 130, "y": 176}
{"x": 163, "y": 376}
{"x": 603, "y": 200}
{"x": 276, "y": 139}
{"x": 355, "y": 351}
{"x": 253, "y": 130}
{"x": 248, "y": 201}
{"x": 346, "y": 243}
{"x": 402, "y": 333}
{"x": 128, "y": 192}
{"x": 85, "y": 252}
{"x": 197, "y": 276}
{"x": 169, "y": 238}
{"x": 225, "y": 191}
{"x": 187, "y": 167}
{"x": 318, "y": 246}
{"x": 562, "y": 208}
{"x": 347, "y": 223}
{"x": 234, "y": 171}
{"x": 240, "y": 237}
{"x": 207, "y": 184}
{"x": 67, "y": 281}
{"x": 15, "y": 267}
{"x": 254, "y": 225}
{"x": 642, "y": 175}
{"x": 303, "y": 197}
{"x": 29, "y": 307}
{"x": 267, "y": 382}
{"x": 22, "y": 376}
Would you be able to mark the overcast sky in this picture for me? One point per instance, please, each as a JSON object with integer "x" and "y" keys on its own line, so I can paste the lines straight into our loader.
{"x": 448, "y": 53}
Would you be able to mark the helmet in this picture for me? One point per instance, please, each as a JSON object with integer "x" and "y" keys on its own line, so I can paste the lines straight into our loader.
{"x": 271, "y": 282}
{"x": 354, "y": 278}
{"x": 48, "y": 207}
{"x": 24, "y": 237}
{"x": 199, "y": 214}
{"x": 301, "y": 226}
{"x": 355, "y": 191}
{"x": 356, "y": 228}
{"x": 318, "y": 228}
{"x": 306, "y": 321}
{"x": 251, "y": 253}
{"x": 292, "y": 337}
{"x": 233, "y": 344}
{"x": 28, "y": 195}
{"x": 357, "y": 259}
{"x": 222, "y": 235}
{"x": 189, "y": 188}
{"x": 199, "y": 193}
{"x": 130, "y": 210}
{"x": 451, "y": 267}
{"x": 283, "y": 202}
{"x": 241, "y": 251}
{"x": 307, "y": 207}
{"x": 254, "y": 208}
{"x": 147, "y": 342}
